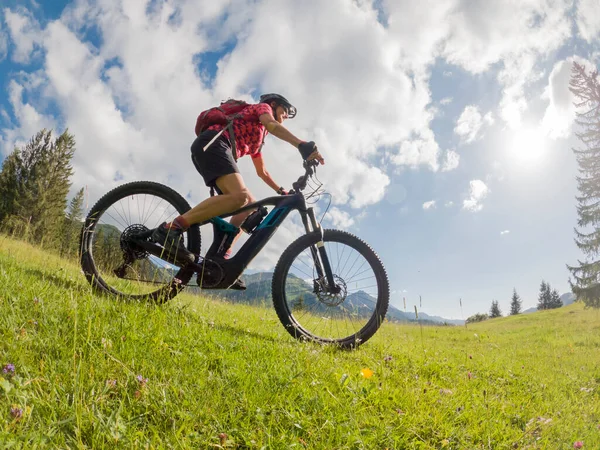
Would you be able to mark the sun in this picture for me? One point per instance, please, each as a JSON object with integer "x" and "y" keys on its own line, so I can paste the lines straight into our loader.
{"x": 528, "y": 146}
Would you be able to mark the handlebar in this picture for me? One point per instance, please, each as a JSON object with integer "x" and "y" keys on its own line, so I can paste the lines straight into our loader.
{"x": 300, "y": 184}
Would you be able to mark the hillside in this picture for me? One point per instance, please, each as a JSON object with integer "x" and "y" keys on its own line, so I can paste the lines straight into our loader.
{"x": 85, "y": 371}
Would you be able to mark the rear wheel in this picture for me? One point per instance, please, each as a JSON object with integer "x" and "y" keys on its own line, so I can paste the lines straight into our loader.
{"x": 348, "y": 317}
{"x": 109, "y": 259}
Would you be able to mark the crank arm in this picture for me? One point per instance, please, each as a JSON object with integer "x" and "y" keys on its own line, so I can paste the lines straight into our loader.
{"x": 162, "y": 253}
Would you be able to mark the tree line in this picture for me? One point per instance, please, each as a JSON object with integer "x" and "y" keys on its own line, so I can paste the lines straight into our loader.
{"x": 548, "y": 298}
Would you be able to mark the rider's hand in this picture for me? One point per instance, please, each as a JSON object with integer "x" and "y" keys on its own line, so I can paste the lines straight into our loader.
{"x": 316, "y": 155}
{"x": 282, "y": 191}
{"x": 309, "y": 151}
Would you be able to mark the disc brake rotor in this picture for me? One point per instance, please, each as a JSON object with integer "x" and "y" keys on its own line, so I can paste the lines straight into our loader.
{"x": 331, "y": 298}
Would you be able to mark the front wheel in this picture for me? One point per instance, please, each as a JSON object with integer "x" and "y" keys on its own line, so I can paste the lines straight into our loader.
{"x": 347, "y": 317}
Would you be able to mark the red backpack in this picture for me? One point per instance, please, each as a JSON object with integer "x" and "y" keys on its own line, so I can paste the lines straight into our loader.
{"x": 220, "y": 115}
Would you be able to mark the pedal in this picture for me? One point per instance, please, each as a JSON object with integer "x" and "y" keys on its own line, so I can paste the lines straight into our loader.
{"x": 238, "y": 285}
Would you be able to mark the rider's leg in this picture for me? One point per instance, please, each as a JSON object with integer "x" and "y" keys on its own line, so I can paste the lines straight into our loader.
{"x": 237, "y": 220}
{"x": 235, "y": 195}
{"x": 225, "y": 187}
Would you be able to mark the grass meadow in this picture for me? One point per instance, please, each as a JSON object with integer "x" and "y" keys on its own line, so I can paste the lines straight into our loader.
{"x": 79, "y": 370}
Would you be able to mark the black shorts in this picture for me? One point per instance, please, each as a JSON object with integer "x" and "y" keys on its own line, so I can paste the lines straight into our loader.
{"x": 216, "y": 161}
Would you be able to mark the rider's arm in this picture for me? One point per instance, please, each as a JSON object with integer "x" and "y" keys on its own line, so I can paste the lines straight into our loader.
{"x": 259, "y": 165}
{"x": 278, "y": 130}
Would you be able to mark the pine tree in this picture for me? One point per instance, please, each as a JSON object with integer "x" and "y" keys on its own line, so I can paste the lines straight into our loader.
{"x": 555, "y": 301}
{"x": 495, "y": 310}
{"x": 298, "y": 304}
{"x": 72, "y": 225}
{"x": 29, "y": 202}
{"x": 515, "y": 304}
{"x": 8, "y": 184}
{"x": 586, "y": 88}
{"x": 55, "y": 183}
{"x": 544, "y": 297}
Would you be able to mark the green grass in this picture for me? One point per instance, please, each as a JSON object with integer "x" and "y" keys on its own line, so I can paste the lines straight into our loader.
{"x": 213, "y": 367}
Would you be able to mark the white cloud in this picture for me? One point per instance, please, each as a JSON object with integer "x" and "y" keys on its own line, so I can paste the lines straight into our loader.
{"x": 429, "y": 205}
{"x": 449, "y": 204}
{"x": 470, "y": 123}
{"x": 477, "y": 193}
{"x": 31, "y": 119}
{"x": 422, "y": 150}
{"x": 446, "y": 100}
{"x": 489, "y": 118}
{"x": 24, "y": 32}
{"x": 419, "y": 28}
{"x": 588, "y": 19}
{"x": 560, "y": 112}
{"x": 502, "y": 233}
{"x": 514, "y": 34}
{"x": 451, "y": 162}
{"x": 339, "y": 219}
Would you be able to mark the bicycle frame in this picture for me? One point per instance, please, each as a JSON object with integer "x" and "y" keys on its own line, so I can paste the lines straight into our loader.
{"x": 283, "y": 205}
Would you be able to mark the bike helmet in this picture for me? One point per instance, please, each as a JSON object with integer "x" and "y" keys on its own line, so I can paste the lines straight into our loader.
{"x": 280, "y": 100}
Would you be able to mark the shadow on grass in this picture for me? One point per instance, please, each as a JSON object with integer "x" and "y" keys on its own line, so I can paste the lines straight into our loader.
{"x": 284, "y": 339}
{"x": 55, "y": 279}
{"x": 246, "y": 333}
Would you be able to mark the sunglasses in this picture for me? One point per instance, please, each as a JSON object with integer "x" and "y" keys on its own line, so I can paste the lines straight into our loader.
{"x": 289, "y": 110}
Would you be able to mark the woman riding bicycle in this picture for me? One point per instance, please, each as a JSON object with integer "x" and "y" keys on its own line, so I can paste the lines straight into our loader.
{"x": 328, "y": 286}
{"x": 217, "y": 165}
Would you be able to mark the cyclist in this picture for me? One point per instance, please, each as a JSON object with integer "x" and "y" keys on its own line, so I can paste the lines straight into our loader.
{"x": 217, "y": 165}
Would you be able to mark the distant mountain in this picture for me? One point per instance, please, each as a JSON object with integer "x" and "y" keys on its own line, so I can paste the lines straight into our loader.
{"x": 439, "y": 319}
{"x": 259, "y": 291}
{"x": 568, "y": 298}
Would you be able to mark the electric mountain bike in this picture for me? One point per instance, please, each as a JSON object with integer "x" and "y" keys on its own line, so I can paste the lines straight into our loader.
{"x": 328, "y": 285}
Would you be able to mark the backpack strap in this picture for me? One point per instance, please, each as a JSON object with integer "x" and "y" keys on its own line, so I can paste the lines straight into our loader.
{"x": 228, "y": 127}
{"x": 232, "y": 139}
{"x": 214, "y": 139}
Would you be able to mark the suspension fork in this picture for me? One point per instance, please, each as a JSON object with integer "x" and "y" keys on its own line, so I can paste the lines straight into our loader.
{"x": 319, "y": 254}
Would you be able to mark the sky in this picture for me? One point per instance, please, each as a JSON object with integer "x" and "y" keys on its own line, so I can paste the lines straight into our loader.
{"x": 446, "y": 125}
